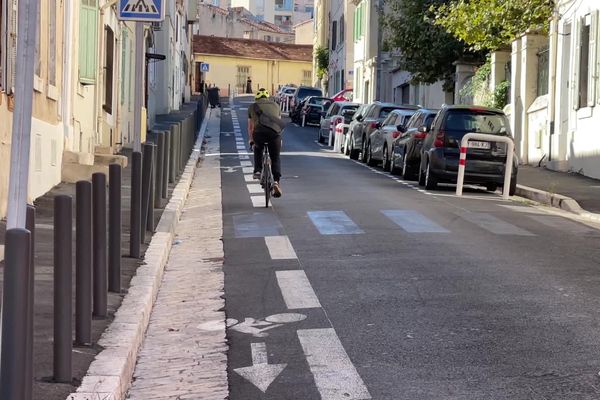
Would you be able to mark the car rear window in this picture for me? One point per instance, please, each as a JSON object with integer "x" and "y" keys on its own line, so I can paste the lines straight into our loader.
{"x": 384, "y": 112}
{"x": 318, "y": 100}
{"x": 289, "y": 91}
{"x": 460, "y": 122}
{"x": 302, "y": 93}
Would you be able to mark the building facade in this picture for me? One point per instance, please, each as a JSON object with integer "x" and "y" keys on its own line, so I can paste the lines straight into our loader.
{"x": 270, "y": 65}
{"x": 366, "y": 38}
{"x": 304, "y": 32}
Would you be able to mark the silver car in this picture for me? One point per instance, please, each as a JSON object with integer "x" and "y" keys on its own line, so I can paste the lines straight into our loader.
{"x": 338, "y": 111}
{"x": 380, "y": 140}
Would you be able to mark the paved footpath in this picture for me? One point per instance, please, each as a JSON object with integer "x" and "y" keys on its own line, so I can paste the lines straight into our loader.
{"x": 178, "y": 360}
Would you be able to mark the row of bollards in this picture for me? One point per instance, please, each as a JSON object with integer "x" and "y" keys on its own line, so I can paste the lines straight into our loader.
{"x": 98, "y": 238}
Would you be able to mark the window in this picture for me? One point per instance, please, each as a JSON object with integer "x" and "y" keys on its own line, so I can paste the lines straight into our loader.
{"x": 88, "y": 22}
{"x": 306, "y": 78}
{"x": 37, "y": 60}
{"x": 405, "y": 94}
{"x": 108, "y": 69}
{"x": 334, "y": 35}
{"x": 243, "y": 73}
{"x": 341, "y": 39}
{"x": 124, "y": 72}
{"x": 358, "y": 21}
{"x": 52, "y": 42}
{"x": 584, "y": 64}
{"x": 542, "y": 71}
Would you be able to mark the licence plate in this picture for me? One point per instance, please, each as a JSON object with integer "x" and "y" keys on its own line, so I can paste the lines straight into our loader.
{"x": 473, "y": 144}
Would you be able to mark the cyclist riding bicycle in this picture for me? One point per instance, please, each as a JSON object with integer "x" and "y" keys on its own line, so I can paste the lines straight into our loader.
{"x": 264, "y": 127}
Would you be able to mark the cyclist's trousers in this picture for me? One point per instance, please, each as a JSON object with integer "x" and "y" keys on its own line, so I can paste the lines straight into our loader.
{"x": 274, "y": 141}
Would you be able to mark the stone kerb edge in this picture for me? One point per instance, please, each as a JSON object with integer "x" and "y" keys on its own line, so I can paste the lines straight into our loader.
{"x": 109, "y": 375}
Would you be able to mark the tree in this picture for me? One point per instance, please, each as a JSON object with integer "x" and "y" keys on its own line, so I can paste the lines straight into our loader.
{"x": 322, "y": 60}
{"x": 492, "y": 24}
{"x": 427, "y": 50}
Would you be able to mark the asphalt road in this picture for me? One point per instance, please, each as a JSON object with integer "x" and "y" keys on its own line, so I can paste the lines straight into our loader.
{"x": 367, "y": 287}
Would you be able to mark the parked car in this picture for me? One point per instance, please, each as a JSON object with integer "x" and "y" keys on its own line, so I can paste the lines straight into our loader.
{"x": 312, "y": 108}
{"x": 344, "y": 95}
{"x": 285, "y": 93}
{"x": 303, "y": 92}
{"x": 356, "y": 118}
{"x": 380, "y": 140}
{"x": 376, "y": 112}
{"x": 486, "y": 160}
{"x": 405, "y": 153}
{"x": 339, "y": 111}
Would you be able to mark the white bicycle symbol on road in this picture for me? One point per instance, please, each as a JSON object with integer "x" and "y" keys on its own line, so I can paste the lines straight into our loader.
{"x": 255, "y": 327}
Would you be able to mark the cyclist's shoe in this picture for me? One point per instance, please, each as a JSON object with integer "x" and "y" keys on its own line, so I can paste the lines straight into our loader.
{"x": 256, "y": 175}
{"x": 277, "y": 190}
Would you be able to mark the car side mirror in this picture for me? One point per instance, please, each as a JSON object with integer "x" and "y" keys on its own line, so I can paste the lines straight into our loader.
{"x": 359, "y": 118}
{"x": 423, "y": 129}
{"x": 401, "y": 128}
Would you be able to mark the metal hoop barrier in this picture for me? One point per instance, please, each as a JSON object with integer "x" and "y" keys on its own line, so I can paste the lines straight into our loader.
{"x": 488, "y": 138}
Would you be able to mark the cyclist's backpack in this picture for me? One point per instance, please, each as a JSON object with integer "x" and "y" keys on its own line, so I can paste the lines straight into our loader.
{"x": 268, "y": 121}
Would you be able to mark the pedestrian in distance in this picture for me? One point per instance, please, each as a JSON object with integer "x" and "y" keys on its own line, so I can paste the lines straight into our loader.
{"x": 249, "y": 86}
{"x": 264, "y": 128}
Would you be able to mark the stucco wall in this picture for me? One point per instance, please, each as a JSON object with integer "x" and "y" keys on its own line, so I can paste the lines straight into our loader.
{"x": 304, "y": 34}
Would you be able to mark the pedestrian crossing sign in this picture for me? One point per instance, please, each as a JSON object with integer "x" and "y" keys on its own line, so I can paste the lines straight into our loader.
{"x": 141, "y": 10}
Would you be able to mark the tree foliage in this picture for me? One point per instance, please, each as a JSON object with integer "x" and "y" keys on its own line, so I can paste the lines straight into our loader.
{"x": 428, "y": 51}
{"x": 492, "y": 24}
{"x": 322, "y": 60}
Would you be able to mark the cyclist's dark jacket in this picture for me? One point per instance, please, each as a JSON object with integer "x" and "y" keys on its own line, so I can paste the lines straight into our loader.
{"x": 268, "y": 107}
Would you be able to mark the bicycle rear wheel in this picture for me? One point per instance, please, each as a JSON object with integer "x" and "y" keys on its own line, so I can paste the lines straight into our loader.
{"x": 267, "y": 186}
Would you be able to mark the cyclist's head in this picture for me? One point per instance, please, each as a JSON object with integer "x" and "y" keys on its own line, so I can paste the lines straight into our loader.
{"x": 262, "y": 94}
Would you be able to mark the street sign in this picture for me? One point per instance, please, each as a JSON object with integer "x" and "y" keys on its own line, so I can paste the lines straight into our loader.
{"x": 142, "y": 10}
{"x": 204, "y": 67}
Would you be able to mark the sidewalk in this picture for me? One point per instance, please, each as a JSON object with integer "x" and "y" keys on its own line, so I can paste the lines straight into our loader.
{"x": 568, "y": 191}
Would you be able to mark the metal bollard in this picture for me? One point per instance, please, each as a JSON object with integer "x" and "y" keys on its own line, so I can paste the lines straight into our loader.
{"x": 151, "y": 191}
{"x": 135, "y": 210}
{"x": 63, "y": 250}
{"x": 166, "y": 169}
{"x": 172, "y": 155}
{"x": 160, "y": 150}
{"x": 83, "y": 264}
{"x": 30, "y": 226}
{"x": 148, "y": 153}
{"x": 14, "y": 311}
{"x": 100, "y": 293}
{"x": 114, "y": 228}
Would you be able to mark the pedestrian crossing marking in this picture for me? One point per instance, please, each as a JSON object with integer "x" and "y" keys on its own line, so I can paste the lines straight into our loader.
{"x": 563, "y": 224}
{"x": 141, "y": 10}
{"x": 334, "y": 223}
{"x": 413, "y": 221}
{"x": 494, "y": 225}
{"x": 141, "y": 6}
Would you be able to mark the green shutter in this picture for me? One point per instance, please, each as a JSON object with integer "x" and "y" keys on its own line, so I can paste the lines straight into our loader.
{"x": 124, "y": 74}
{"x": 88, "y": 42}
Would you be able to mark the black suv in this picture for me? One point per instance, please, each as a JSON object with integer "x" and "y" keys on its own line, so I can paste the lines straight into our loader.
{"x": 300, "y": 94}
{"x": 485, "y": 160}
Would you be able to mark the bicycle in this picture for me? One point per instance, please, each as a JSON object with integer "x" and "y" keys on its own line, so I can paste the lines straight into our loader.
{"x": 266, "y": 175}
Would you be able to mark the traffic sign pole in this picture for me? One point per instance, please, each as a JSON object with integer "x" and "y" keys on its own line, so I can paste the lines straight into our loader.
{"x": 140, "y": 58}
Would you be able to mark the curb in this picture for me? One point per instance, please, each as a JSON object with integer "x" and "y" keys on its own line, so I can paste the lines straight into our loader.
{"x": 555, "y": 200}
{"x": 110, "y": 374}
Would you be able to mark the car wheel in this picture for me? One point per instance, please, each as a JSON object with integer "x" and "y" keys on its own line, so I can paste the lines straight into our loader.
{"x": 320, "y": 137}
{"x": 421, "y": 177}
{"x": 370, "y": 161}
{"x": 491, "y": 187}
{"x": 346, "y": 148}
{"x": 354, "y": 153}
{"x": 430, "y": 181}
{"x": 385, "y": 162}
{"x": 363, "y": 155}
{"x": 407, "y": 174}
{"x": 393, "y": 169}
{"x": 513, "y": 187}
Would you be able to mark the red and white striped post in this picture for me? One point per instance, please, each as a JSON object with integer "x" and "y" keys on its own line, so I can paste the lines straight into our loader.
{"x": 462, "y": 161}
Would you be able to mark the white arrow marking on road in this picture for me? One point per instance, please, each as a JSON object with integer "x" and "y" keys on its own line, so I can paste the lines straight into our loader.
{"x": 261, "y": 374}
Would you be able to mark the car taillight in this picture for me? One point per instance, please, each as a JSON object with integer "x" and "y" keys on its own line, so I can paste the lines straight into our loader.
{"x": 373, "y": 125}
{"x": 396, "y": 134}
{"x": 420, "y": 135}
{"x": 439, "y": 139}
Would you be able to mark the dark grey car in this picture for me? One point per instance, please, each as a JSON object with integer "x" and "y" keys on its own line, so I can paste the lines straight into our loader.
{"x": 485, "y": 159}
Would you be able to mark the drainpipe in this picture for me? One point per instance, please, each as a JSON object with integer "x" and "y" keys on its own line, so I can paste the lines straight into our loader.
{"x": 68, "y": 55}
{"x": 552, "y": 72}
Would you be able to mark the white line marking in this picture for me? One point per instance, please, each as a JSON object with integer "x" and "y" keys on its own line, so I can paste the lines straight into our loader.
{"x": 296, "y": 290}
{"x": 244, "y": 157}
{"x": 248, "y": 178}
{"x": 258, "y": 201}
{"x": 494, "y": 225}
{"x": 280, "y": 248}
{"x": 248, "y": 170}
{"x": 245, "y": 163}
{"x": 255, "y": 188}
{"x": 335, "y": 375}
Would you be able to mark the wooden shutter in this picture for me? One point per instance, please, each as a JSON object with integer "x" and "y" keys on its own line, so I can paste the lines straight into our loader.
{"x": 592, "y": 72}
{"x": 88, "y": 41}
{"x": 108, "y": 69}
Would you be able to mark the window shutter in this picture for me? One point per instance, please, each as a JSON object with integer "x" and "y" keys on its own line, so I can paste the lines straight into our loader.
{"x": 576, "y": 61}
{"x": 593, "y": 71}
{"x": 124, "y": 76}
{"x": 88, "y": 42}
{"x": 11, "y": 75}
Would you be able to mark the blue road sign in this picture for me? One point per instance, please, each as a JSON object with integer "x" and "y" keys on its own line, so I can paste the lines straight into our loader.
{"x": 142, "y": 10}
{"x": 204, "y": 67}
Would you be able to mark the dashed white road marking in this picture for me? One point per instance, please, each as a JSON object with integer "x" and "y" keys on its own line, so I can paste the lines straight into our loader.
{"x": 248, "y": 178}
{"x": 258, "y": 201}
{"x": 495, "y": 225}
{"x": 244, "y": 157}
{"x": 245, "y": 163}
{"x": 335, "y": 375}
{"x": 247, "y": 170}
{"x": 296, "y": 290}
{"x": 255, "y": 188}
{"x": 280, "y": 248}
